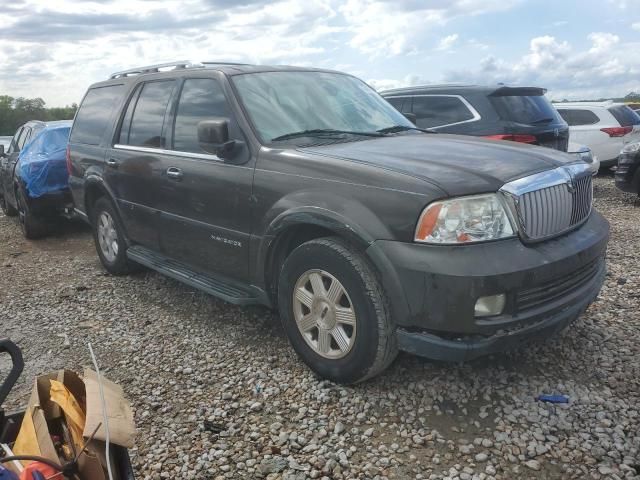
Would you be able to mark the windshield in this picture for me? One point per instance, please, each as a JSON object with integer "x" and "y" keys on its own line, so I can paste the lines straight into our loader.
{"x": 281, "y": 103}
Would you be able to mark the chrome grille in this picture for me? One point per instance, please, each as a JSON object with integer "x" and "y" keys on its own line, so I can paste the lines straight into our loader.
{"x": 552, "y": 202}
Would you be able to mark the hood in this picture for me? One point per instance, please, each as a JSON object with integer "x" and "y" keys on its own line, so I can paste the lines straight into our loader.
{"x": 459, "y": 165}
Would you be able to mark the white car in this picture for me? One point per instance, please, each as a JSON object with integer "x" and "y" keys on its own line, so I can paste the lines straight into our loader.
{"x": 605, "y": 127}
{"x": 585, "y": 154}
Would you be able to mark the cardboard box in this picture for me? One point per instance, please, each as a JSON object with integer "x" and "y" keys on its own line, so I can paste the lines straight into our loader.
{"x": 35, "y": 432}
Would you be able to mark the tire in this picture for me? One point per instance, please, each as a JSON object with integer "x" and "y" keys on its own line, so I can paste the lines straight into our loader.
{"x": 7, "y": 209}
{"x": 367, "y": 342}
{"x": 109, "y": 238}
{"x": 33, "y": 227}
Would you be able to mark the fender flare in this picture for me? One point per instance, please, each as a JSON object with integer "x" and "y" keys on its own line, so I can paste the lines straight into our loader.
{"x": 352, "y": 232}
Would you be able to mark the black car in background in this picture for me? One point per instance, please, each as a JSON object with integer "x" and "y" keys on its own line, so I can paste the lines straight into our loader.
{"x": 521, "y": 114}
{"x": 627, "y": 175}
{"x": 304, "y": 190}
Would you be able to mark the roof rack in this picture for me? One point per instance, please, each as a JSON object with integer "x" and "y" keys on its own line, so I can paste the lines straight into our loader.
{"x": 155, "y": 68}
{"x": 223, "y": 63}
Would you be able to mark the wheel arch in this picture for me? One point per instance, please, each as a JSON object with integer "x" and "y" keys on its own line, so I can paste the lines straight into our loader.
{"x": 297, "y": 226}
{"x": 294, "y": 228}
{"x": 94, "y": 188}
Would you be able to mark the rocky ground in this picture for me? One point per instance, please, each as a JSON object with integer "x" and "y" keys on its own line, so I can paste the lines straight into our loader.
{"x": 218, "y": 392}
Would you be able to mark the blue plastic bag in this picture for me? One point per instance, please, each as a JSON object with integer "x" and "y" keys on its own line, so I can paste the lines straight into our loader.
{"x": 42, "y": 163}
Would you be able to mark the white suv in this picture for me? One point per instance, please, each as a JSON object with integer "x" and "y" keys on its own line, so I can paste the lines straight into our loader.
{"x": 605, "y": 127}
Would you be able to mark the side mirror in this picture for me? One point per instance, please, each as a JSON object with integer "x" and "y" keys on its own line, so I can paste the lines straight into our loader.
{"x": 213, "y": 136}
{"x": 411, "y": 117}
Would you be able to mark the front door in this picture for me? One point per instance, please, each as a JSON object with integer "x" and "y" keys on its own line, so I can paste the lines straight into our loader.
{"x": 204, "y": 202}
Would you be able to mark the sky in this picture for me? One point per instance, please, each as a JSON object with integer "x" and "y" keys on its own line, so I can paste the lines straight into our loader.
{"x": 55, "y": 49}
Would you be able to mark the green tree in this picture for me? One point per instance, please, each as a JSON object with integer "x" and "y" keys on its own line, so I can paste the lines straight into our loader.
{"x": 17, "y": 111}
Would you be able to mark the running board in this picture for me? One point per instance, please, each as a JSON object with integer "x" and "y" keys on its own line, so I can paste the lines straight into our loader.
{"x": 225, "y": 289}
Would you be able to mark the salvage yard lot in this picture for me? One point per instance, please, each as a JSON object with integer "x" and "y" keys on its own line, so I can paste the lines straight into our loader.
{"x": 191, "y": 363}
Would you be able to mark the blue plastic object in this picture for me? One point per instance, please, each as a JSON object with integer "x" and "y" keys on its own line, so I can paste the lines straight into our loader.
{"x": 7, "y": 474}
{"x": 42, "y": 163}
{"x": 553, "y": 398}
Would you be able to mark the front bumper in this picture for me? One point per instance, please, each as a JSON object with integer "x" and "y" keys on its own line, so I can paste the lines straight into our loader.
{"x": 547, "y": 285}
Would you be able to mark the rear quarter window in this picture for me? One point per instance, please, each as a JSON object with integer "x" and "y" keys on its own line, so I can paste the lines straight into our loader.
{"x": 575, "y": 117}
{"x": 440, "y": 110}
{"x": 625, "y": 116}
{"x": 94, "y": 114}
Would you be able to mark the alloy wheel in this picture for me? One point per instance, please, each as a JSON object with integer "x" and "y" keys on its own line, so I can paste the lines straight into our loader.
{"x": 107, "y": 237}
{"x": 324, "y": 314}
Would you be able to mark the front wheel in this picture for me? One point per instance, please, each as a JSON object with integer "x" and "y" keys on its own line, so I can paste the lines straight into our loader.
{"x": 335, "y": 312}
{"x": 109, "y": 238}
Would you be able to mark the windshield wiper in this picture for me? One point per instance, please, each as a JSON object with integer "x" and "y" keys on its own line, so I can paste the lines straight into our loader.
{"x": 402, "y": 128}
{"x": 541, "y": 120}
{"x": 319, "y": 132}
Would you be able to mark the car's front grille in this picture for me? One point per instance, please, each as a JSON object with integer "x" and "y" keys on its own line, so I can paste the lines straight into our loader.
{"x": 557, "y": 288}
{"x": 550, "y": 203}
{"x": 552, "y": 210}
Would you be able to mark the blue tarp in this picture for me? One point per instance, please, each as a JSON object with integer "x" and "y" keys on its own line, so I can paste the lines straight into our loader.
{"x": 42, "y": 163}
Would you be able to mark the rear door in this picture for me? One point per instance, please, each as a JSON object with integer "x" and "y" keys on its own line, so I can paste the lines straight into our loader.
{"x": 6, "y": 188}
{"x": 204, "y": 201}
{"x": 584, "y": 127}
{"x": 134, "y": 166}
{"x": 12, "y": 159}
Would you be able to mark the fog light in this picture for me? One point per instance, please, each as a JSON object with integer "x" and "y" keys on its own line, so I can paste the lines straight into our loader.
{"x": 491, "y": 305}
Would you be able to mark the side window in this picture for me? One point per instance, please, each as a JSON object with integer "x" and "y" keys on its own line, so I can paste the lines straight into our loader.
{"x": 397, "y": 102}
{"x": 201, "y": 99}
{"x": 15, "y": 141}
{"x": 434, "y": 111}
{"x": 148, "y": 116}
{"x": 95, "y": 112}
{"x": 123, "y": 138}
{"x": 578, "y": 117}
{"x": 24, "y": 138}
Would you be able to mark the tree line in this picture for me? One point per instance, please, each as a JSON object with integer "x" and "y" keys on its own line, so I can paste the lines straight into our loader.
{"x": 17, "y": 111}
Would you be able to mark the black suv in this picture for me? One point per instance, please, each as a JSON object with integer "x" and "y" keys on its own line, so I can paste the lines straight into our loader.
{"x": 520, "y": 114}
{"x": 305, "y": 190}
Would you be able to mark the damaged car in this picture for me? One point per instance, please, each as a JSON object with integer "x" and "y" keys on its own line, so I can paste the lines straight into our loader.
{"x": 304, "y": 190}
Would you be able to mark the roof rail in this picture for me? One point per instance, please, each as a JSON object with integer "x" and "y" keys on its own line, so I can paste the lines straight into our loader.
{"x": 223, "y": 63}
{"x": 155, "y": 68}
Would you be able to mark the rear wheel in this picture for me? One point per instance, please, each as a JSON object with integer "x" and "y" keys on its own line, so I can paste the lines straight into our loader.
{"x": 335, "y": 312}
{"x": 108, "y": 235}
{"x": 33, "y": 226}
{"x": 7, "y": 209}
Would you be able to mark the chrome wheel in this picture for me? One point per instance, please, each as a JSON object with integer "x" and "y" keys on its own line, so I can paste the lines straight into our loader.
{"x": 324, "y": 314}
{"x": 107, "y": 237}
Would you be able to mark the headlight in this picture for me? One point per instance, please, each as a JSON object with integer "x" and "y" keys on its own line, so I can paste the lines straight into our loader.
{"x": 585, "y": 156}
{"x": 464, "y": 220}
{"x": 631, "y": 148}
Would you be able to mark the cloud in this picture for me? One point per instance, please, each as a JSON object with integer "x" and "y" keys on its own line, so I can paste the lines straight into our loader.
{"x": 447, "y": 42}
{"x": 606, "y": 68}
{"x": 383, "y": 28}
{"x": 636, "y": 26}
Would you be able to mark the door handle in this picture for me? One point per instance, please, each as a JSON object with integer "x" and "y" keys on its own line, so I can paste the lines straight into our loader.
{"x": 174, "y": 173}
{"x": 112, "y": 162}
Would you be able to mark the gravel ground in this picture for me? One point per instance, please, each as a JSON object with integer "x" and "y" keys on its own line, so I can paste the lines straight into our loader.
{"x": 218, "y": 392}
